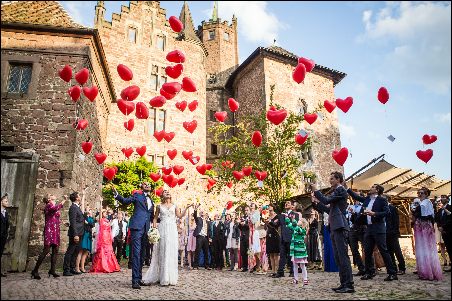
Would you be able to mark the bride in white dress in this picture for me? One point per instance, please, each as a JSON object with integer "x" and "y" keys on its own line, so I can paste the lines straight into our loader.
{"x": 164, "y": 266}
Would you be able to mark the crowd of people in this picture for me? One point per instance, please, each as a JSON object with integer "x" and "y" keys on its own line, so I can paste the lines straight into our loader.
{"x": 254, "y": 239}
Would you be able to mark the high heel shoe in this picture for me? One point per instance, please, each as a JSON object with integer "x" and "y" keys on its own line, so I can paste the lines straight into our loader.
{"x": 35, "y": 275}
{"x": 55, "y": 275}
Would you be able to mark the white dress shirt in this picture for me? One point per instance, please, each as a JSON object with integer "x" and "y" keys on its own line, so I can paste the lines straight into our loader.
{"x": 369, "y": 207}
{"x": 149, "y": 201}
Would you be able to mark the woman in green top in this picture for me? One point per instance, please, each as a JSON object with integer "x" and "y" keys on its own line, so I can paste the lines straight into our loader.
{"x": 298, "y": 250}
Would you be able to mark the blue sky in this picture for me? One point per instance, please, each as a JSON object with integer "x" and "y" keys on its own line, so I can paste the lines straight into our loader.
{"x": 404, "y": 46}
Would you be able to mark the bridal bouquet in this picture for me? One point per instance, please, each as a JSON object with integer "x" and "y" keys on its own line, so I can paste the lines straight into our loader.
{"x": 153, "y": 235}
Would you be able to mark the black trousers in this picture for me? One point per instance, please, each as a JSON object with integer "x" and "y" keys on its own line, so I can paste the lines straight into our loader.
{"x": 2, "y": 245}
{"x": 71, "y": 255}
{"x": 244, "y": 246}
{"x": 339, "y": 240}
{"x": 447, "y": 238}
{"x": 201, "y": 244}
{"x": 43, "y": 255}
{"x": 218, "y": 259}
{"x": 284, "y": 257}
{"x": 354, "y": 237}
{"x": 392, "y": 242}
{"x": 370, "y": 240}
{"x": 117, "y": 248}
{"x": 233, "y": 256}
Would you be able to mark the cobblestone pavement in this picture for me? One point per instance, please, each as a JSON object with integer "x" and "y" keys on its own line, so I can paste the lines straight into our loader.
{"x": 204, "y": 284}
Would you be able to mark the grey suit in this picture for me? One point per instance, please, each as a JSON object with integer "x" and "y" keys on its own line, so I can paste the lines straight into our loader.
{"x": 339, "y": 231}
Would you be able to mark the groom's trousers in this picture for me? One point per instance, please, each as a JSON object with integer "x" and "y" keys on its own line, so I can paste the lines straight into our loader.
{"x": 139, "y": 238}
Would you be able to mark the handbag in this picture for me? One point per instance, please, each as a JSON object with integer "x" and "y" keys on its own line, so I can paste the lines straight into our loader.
{"x": 262, "y": 232}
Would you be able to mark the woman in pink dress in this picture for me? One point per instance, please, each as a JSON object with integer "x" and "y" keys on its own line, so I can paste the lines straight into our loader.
{"x": 104, "y": 260}
{"x": 191, "y": 242}
{"x": 51, "y": 234}
{"x": 427, "y": 260}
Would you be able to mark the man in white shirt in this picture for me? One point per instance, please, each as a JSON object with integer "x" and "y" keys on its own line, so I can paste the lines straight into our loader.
{"x": 118, "y": 234}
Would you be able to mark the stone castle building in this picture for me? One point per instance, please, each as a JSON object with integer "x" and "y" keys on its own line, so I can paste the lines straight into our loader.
{"x": 41, "y": 150}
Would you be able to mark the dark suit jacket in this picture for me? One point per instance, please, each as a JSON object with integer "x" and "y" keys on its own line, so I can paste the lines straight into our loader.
{"x": 4, "y": 225}
{"x": 235, "y": 230}
{"x": 338, "y": 206}
{"x": 76, "y": 221}
{"x": 380, "y": 208}
{"x": 244, "y": 231}
{"x": 142, "y": 216}
{"x": 392, "y": 221}
{"x": 444, "y": 220}
{"x": 286, "y": 233}
{"x": 217, "y": 231}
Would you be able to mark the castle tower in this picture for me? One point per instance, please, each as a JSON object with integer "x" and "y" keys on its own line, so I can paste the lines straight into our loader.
{"x": 100, "y": 13}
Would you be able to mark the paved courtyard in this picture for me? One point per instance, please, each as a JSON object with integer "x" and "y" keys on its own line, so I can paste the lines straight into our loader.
{"x": 217, "y": 285}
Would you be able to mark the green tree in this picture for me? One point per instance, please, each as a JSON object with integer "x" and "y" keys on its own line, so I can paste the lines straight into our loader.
{"x": 129, "y": 176}
{"x": 278, "y": 155}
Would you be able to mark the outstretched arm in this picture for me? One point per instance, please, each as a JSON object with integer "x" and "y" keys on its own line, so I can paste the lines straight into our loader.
{"x": 178, "y": 211}
{"x": 355, "y": 196}
{"x": 339, "y": 194}
{"x": 121, "y": 199}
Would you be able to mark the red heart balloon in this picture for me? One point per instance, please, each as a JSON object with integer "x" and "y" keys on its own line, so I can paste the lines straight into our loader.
{"x": 172, "y": 153}
{"x": 190, "y": 126}
{"x": 209, "y": 166}
{"x": 81, "y": 124}
{"x": 109, "y": 173}
{"x": 427, "y": 139}
{"x": 65, "y": 73}
{"x": 169, "y": 136}
{"x": 276, "y": 117}
{"x": 425, "y": 155}
{"x": 100, "y": 158}
{"x": 233, "y": 105}
{"x": 129, "y": 124}
{"x": 209, "y": 186}
{"x": 229, "y": 205}
{"x": 127, "y": 152}
{"x": 154, "y": 176}
{"x": 383, "y": 95}
{"x": 141, "y": 150}
{"x": 256, "y": 138}
{"x": 188, "y": 85}
{"x": 142, "y": 112}
{"x": 174, "y": 182}
{"x": 187, "y": 154}
{"x": 181, "y": 105}
{"x": 158, "y": 192}
{"x": 130, "y": 93}
{"x": 159, "y": 135}
{"x": 90, "y": 93}
{"x": 221, "y": 116}
{"x": 178, "y": 169}
{"x": 167, "y": 170}
{"x": 193, "y": 105}
{"x": 74, "y": 92}
{"x": 157, "y": 101}
{"x": 124, "y": 72}
{"x": 82, "y": 76}
{"x": 344, "y": 104}
{"x": 175, "y": 56}
{"x": 329, "y": 105}
{"x": 212, "y": 181}
{"x": 201, "y": 169}
{"x": 126, "y": 107}
{"x": 194, "y": 160}
{"x": 340, "y": 156}
{"x": 247, "y": 170}
{"x": 301, "y": 139}
{"x": 168, "y": 179}
{"x": 116, "y": 169}
{"x": 172, "y": 87}
{"x": 174, "y": 71}
{"x": 310, "y": 118}
{"x": 260, "y": 175}
{"x": 167, "y": 95}
{"x": 229, "y": 184}
{"x": 87, "y": 146}
{"x": 299, "y": 73}
{"x": 181, "y": 181}
{"x": 238, "y": 175}
{"x": 175, "y": 24}
{"x": 308, "y": 64}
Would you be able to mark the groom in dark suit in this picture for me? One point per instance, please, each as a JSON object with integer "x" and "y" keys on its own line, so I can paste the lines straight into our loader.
{"x": 75, "y": 233}
{"x": 143, "y": 214}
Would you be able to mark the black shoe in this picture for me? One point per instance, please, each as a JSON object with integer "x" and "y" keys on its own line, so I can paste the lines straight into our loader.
{"x": 136, "y": 286}
{"x": 68, "y": 274}
{"x": 366, "y": 277}
{"x": 55, "y": 275}
{"x": 360, "y": 273}
{"x": 35, "y": 275}
{"x": 277, "y": 275}
{"x": 74, "y": 272}
{"x": 401, "y": 272}
{"x": 448, "y": 270}
{"x": 391, "y": 278}
{"x": 141, "y": 283}
{"x": 244, "y": 270}
{"x": 338, "y": 288}
{"x": 345, "y": 290}
{"x": 291, "y": 275}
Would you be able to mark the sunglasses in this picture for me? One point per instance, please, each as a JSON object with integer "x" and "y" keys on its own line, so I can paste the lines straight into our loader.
{"x": 420, "y": 192}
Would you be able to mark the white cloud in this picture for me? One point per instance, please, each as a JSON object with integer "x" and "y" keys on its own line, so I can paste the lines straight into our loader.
{"x": 255, "y": 23}
{"x": 444, "y": 118}
{"x": 421, "y": 35}
{"x": 347, "y": 131}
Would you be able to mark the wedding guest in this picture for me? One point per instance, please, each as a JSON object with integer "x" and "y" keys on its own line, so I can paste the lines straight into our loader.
{"x": 427, "y": 262}
{"x": 104, "y": 260}
{"x": 87, "y": 242}
{"x": 75, "y": 233}
{"x": 298, "y": 250}
{"x": 201, "y": 234}
{"x": 218, "y": 233}
{"x": 392, "y": 238}
{"x": 51, "y": 234}
{"x": 255, "y": 244}
{"x": 444, "y": 220}
{"x": 244, "y": 238}
{"x": 226, "y": 222}
{"x": 126, "y": 246}
{"x": 273, "y": 239}
{"x": 182, "y": 241}
{"x": 313, "y": 239}
{"x": 232, "y": 244}
{"x": 118, "y": 234}
{"x": 191, "y": 241}
{"x": 356, "y": 236}
{"x": 4, "y": 226}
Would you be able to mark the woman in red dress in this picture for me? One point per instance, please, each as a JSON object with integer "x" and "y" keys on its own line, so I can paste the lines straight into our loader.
{"x": 104, "y": 260}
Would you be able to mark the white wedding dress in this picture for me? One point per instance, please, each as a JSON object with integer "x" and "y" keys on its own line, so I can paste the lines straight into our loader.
{"x": 164, "y": 266}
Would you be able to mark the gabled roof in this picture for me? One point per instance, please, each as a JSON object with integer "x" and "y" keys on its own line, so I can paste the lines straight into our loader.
{"x": 186, "y": 19}
{"x": 37, "y": 13}
{"x": 291, "y": 58}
